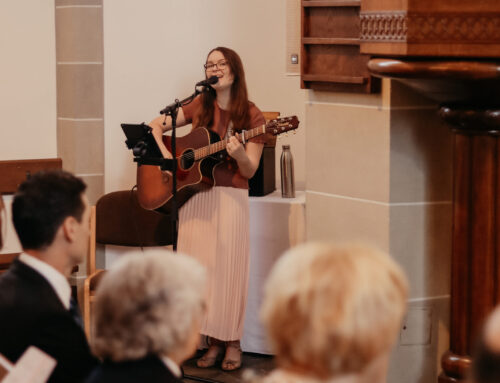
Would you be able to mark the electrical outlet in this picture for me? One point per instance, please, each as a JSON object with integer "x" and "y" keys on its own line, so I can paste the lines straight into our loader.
{"x": 417, "y": 326}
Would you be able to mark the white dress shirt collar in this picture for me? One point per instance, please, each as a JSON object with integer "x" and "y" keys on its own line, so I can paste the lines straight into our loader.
{"x": 57, "y": 280}
{"x": 172, "y": 366}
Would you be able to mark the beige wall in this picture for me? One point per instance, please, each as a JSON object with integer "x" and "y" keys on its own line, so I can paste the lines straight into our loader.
{"x": 27, "y": 80}
{"x": 379, "y": 172}
{"x": 80, "y": 86}
{"x": 27, "y": 88}
{"x": 143, "y": 73}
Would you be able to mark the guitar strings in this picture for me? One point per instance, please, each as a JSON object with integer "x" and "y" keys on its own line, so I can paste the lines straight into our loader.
{"x": 192, "y": 154}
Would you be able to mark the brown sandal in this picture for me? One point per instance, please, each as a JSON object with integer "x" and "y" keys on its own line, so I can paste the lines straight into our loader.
{"x": 207, "y": 361}
{"x": 232, "y": 364}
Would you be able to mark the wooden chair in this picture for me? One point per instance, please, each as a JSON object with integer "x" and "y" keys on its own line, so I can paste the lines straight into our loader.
{"x": 118, "y": 219}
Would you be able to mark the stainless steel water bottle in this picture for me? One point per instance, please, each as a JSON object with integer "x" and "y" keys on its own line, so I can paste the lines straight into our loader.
{"x": 287, "y": 180}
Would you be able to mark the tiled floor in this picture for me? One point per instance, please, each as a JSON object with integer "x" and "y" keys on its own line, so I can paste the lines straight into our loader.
{"x": 261, "y": 364}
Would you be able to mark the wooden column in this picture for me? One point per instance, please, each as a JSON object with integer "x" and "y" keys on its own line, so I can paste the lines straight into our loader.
{"x": 476, "y": 223}
{"x": 469, "y": 92}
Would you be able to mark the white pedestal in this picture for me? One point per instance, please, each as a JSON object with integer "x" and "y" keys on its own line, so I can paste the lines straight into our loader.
{"x": 276, "y": 224}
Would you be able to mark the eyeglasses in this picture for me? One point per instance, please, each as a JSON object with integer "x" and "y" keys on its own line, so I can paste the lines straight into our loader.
{"x": 212, "y": 67}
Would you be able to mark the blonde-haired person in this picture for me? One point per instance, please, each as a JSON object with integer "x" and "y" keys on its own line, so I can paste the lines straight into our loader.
{"x": 148, "y": 313}
{"x": 332, "y": 313}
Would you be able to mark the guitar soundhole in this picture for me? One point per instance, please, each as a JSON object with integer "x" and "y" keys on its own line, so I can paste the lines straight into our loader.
{"x": 187, "y": 159}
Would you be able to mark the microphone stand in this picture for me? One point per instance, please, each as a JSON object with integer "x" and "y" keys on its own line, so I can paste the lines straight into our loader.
{"x": 172, "y": 111}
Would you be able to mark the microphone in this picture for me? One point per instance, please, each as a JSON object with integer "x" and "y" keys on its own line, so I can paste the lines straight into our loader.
{"x": 209, "y": 81}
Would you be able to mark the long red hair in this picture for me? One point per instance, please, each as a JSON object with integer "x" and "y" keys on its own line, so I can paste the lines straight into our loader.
{"x": 239, "y": 108}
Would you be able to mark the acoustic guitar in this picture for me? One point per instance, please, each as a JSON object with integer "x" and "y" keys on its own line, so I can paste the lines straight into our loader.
{"x": 198, "y": 154}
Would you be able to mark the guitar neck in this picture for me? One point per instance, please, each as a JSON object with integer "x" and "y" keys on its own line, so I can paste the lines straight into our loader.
{"x": 221, "y": 145}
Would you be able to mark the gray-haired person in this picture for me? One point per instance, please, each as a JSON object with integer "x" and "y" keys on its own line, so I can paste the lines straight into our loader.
{"x": 148, "y": 314}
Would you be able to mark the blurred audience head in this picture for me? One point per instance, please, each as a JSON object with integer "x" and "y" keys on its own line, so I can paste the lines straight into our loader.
{"x": 149, "y": 303}
{"x": 486, "y": 363}
{"x": 333, "y": 310}
{"x": 52, "y": 205}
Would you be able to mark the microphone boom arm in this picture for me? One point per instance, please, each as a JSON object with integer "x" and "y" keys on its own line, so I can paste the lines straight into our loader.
{"x": 177, "y": 104}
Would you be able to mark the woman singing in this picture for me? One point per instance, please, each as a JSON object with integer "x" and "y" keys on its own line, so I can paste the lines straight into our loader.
{"x": 214, "y": 224}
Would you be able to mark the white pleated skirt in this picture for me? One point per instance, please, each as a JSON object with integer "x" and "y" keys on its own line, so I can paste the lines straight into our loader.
{"x": 214, "y": 228}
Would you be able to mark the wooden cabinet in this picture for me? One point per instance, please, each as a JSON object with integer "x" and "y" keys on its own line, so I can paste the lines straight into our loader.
{"x": 444, "y": 28}
{"x": 331, "y": 58}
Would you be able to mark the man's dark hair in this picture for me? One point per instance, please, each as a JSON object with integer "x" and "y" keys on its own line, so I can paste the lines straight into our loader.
{"x": 41, "y": 205}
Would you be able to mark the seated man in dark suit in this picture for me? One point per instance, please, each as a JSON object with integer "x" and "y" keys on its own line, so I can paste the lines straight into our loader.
{"x": 51, "y": 216}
